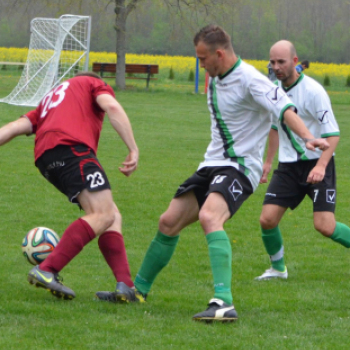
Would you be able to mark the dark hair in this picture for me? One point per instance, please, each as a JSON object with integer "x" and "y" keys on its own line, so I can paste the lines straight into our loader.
{"x": 214, "y": 36}
{"x": 305, "y": 63}
{"x": 88, "y": 74}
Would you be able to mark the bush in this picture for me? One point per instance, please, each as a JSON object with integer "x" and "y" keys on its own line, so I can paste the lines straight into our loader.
{"x": 171, "y": 74}
{"x": 4, "y": 67}
{"x": 348, "y": 81}
{"x": 191, "y": 76}
{"x": 327, "y": 80}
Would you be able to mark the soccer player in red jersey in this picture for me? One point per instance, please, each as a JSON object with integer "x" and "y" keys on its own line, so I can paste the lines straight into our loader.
{"x": 67, "y": 126}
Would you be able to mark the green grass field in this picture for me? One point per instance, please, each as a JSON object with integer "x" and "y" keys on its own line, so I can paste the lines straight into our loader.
{"x": 308, "y": 311}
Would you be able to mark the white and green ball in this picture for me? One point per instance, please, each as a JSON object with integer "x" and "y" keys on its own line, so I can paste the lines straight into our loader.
{"x": 38, "y": 243}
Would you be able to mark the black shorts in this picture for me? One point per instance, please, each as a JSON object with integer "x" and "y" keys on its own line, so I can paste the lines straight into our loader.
{"x": 232, "y": 184}
{"x": 72, "y": 169}
{"x": 288, "y": 186}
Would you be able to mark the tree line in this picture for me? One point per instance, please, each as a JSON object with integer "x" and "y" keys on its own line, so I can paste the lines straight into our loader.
{"x": 318, "y": 28}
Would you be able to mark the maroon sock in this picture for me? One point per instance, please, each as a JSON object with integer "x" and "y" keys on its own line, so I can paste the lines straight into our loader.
{"x": 112, "y": 247}
{"x": 76, "y": 236}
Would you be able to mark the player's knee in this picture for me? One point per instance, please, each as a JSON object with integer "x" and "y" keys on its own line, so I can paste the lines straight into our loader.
{"x": 267, "y": 222}
{"x": 326, "y": 229}
{"x": 108, "y": 217}
{"x": 167, "y": 224}
{"x": 206, "y": 219}
{"x": 117, "y": 217}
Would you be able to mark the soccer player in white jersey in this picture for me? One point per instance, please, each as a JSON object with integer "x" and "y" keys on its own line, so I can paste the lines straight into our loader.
{"x": 240, "y": 101}
{"x": 300, "y": 171}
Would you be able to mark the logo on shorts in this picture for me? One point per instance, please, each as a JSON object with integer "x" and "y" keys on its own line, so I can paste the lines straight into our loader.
{"x": 56, "y": 164}
{"x": 236, "y": 189}
{"x": 330, "y": 196}
{"x": 218, "y": 179}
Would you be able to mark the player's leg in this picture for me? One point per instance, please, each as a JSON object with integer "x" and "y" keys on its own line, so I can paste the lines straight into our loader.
{"x": 79, "y": 175}
{"x": 100, "y": 210}
{"x": 283, "y": 192}
{"x": 271, "y": 236}
{"x": 98, "y": 207}
{"x": 181, "y": 212}
{"x": 227, "y": 191}
{"x": 323, "y": 196}
{"x": 106, "y": 220}
{"x": 45, "y": 275}
{"x": 326, "y": 224}
{"x": 76, "y": 172}
{"x": 341, "y": 234}
{"x": 112, "y": 247}
{"x": 212, "y": 217}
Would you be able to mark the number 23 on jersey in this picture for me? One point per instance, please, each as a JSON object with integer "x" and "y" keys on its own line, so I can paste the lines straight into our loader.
{"x": 54, "y": 98}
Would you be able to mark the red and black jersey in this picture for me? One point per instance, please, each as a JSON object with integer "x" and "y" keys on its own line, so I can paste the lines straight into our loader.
{"x": 69, "y": 115}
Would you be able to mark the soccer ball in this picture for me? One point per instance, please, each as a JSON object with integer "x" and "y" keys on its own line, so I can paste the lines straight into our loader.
{"x": 38, "y": 244}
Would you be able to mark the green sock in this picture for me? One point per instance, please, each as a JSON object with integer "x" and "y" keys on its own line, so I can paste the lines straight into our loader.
{"x": 157, "y": 256}
{"x": 341, "y": 234}
{"x": 220, "y": 255}
{"x": 274, "y": 246}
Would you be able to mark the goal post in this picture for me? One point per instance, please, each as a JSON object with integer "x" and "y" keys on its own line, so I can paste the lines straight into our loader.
{"x": 58, "y": 49}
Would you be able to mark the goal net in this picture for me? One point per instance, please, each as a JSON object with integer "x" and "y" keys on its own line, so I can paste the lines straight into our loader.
{"x": 58, "y": 49}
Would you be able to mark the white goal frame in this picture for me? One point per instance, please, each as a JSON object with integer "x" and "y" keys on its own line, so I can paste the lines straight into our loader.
{"x": 58, "y": 49}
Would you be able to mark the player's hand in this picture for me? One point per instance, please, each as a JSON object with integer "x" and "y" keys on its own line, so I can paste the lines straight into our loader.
{"x": 130, "y": 163}
{"x": 316, "y": 174}
{"x": 266, "y": 171}
{"x": 322, "y": 144}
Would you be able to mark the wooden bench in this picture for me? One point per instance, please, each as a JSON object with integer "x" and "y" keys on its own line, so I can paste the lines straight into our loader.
{"x": 148, "y": 69}
{"x": 18, "y": 64}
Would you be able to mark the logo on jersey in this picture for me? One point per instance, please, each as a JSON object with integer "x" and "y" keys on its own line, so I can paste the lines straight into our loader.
{"x": 236, "y": 189}
{"x": 322, "y": 117}
{"x": 274, "y": 95}
{"x": 224, "y": 84}
{"x": 330, "y": 196}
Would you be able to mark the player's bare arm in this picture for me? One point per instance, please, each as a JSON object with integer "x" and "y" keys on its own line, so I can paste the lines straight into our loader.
{"x": 317, "y": 173}
{"x": 295, "y": 123}
{"x": 21, "y": 126}
{"x": 270, "y": 154}
{"x": 122, "y": 126}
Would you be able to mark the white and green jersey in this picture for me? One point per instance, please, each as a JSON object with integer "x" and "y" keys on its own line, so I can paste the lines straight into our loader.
{"x": 240, "y": 103}
{"x": 314, "y": 108}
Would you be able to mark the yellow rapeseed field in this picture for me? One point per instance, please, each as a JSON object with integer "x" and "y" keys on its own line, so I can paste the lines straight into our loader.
{"x": 13, "y": 54}
{"x": 180, "y": 64}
